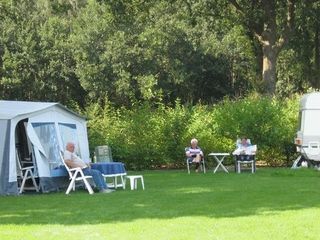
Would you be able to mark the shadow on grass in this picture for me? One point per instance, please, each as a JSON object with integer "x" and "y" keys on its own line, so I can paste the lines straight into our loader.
{"x": 172, "y": 194}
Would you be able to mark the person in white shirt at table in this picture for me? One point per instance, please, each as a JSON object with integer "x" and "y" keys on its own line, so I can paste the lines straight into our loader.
{"x": 73, "y": 161}
{"x": 244, "y": 150}
{"x": 194, "y": 153}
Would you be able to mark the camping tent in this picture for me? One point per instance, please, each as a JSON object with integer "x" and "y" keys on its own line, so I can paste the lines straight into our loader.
{"x": 36, "y": 132}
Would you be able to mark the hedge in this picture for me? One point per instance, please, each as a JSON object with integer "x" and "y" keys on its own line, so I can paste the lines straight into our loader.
{"x": 147, "y": 136}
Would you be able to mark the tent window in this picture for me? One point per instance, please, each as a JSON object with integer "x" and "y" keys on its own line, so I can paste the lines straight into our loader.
{"x": 68, "y": 133}
{"x": 49, "y": 141}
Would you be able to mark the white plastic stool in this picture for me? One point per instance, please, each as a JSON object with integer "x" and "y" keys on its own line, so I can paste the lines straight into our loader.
{"x": 133, "y": 181}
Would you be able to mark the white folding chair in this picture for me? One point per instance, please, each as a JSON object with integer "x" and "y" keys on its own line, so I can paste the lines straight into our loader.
{"x": 249, "y": 162}
{"x": 245, "y": 159}
{"x": 189, "y": 163}
{"x": 76, "y": 174}
{"x": 103, "y": 154}
{"x": 24, "y": 174}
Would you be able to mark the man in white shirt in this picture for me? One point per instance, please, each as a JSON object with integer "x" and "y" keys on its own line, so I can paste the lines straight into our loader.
{"x": 73, "y": 161}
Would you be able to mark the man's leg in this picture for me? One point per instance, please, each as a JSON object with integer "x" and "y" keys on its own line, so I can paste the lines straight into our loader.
{"x": 97, "y": 177}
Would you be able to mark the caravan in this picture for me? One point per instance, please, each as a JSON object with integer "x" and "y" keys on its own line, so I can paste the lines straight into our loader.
{"x": 33, "y": 133}
{"x": 307, "y": 140}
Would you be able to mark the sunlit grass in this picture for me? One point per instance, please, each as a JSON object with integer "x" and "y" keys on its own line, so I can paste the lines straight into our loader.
{"x": 271, "y": 204}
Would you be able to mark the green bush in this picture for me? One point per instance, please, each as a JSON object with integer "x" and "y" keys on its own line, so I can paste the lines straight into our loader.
{"x": 269, "y": 122}
{"x": 146, "y": 136}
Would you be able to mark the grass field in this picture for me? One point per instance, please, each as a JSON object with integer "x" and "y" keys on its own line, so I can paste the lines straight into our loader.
{"x": 271, "y": 204}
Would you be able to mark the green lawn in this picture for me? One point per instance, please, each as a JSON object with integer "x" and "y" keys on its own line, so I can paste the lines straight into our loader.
{"x": 271, "y": 204}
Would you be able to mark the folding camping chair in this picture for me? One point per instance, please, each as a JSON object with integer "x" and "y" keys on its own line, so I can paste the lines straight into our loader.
{"x": 24, "y": 174}
{"x": 76, "y": 174}
{"x": 103, "y": 154}
{"x": 189, "y": 162}
{"x": 245, "y": 158}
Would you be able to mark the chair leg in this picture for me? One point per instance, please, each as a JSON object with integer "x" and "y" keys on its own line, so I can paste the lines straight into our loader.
{"x": 35, "y": 183}
{"x": 86, "y": 183}
{"x": 204, "y": 167}
{"x": 115, "y": 182}
{"x": 123, "y": 180}
{"x": 72, "y": 184}
{"x": 122, "y": 183}
{"x": 89, "y": 188}
{"x": 142, "y": 183}
{"x": 132, "y": 183}
{"x": 253, "y": 166}
{"x": 135, "y": 183}
{"x": 24, "y": 180}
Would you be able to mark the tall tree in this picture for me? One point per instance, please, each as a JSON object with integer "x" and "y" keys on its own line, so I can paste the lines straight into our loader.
{"x": 298, "y": 64}
{"x": 271, "y": 22}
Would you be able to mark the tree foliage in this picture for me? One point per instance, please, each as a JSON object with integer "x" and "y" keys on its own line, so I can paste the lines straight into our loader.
{"x": 126, "y": 51}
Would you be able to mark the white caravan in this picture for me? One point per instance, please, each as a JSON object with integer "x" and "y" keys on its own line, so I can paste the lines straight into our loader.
{"x": 308, "y": 134}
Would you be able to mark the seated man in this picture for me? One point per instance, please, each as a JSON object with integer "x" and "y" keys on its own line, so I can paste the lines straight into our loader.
{"x": 245, "y": 151}
{"x": 73, "y": 161}
{"x": 194, "y": 153}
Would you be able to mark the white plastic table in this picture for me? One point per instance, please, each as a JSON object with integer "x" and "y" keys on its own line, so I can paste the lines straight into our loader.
{"x": 219, "y": 157}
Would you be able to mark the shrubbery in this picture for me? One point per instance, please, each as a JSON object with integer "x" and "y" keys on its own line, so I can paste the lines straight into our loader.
{"x": 146, "y": 136}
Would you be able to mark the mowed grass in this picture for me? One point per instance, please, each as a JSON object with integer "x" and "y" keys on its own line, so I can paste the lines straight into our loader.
{"x": 270, "y": 204}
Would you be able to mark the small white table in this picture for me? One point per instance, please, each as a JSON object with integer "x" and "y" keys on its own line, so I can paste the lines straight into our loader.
{"x": 133, "y": 181}
{"x": 219, "y": 157}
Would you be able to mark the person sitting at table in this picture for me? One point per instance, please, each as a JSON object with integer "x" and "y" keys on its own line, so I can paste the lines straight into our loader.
{"x": 194, "y": 153}
{"x": 245, "y": 150}
{"x": 73, "y": 161}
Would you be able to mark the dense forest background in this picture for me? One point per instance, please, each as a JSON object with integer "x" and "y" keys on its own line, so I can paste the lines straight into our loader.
{"x": 175, "y": 61}
{"x": 127, "y": 50}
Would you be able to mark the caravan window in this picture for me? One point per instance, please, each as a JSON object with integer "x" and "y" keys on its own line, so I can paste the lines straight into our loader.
{"x": 68, "y": 133}
{"x": 48, "y": 138}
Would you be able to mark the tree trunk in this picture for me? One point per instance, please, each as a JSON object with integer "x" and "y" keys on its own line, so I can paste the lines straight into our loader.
{"x": 269, "y": 69}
